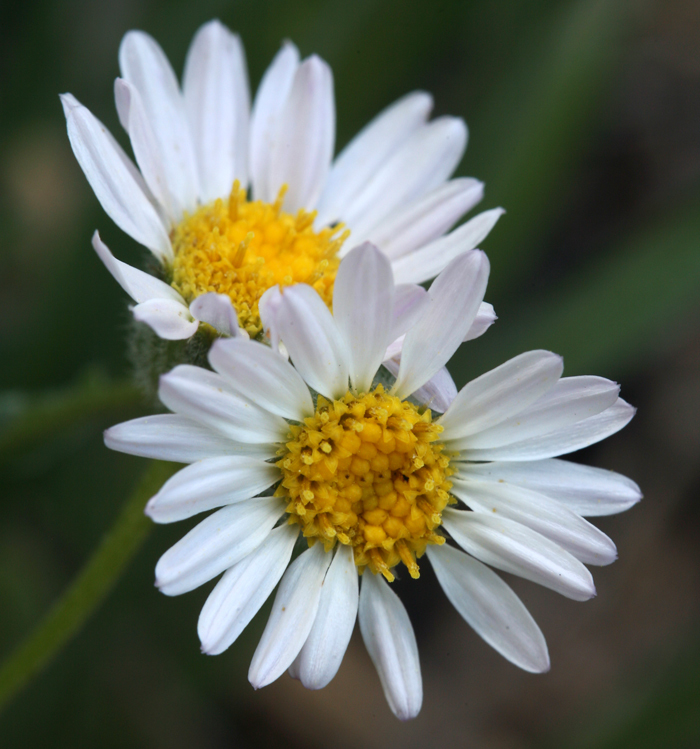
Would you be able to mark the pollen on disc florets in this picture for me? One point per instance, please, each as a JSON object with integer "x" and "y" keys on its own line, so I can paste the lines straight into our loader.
{"x": 242, "y": 248}
{"x": 368, "y": 471}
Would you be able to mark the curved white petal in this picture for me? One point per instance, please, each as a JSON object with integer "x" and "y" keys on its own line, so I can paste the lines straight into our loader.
{"x": 425, "y": 160}
{"x": 291, "y": 618}
{"x": 269, "y": 101}
{"x": 586, "y": 490}
{"x": 210, "y": 483}
{"x": 217, "y": 310}
{"x": 410, "y": 301}
{"x": 363, "y": 307}
{"x": 485, "y": 318}
{"x": 269, "y": 309}
{"x": 543, "y": 514}
{"x": 261, "y": 375}
{"x": 217, "y": 543}
{"x": 423, "y": 220}
{"x": 562, "y": 441}
{"x": 511, "y": 547}
{"x": 177, "y": 439}
{"x": 170, "y": 153}
{"x": 207, "y": 397}
{"x": 391, "y": 644}
{"x": 313, "y": 340}
{"x": 501, "y": 393}
{"x": 490, "y": 608}
{"x": 217, "y": 99}
{"x": 114, "y": 179}
{"x": 169, "y": 318}
{"x": 302, "y": 146}
{"x": 437, "y": 393}
{"x": 455, "y": 297}
{"x": 243, "y": 589}
{"x": 357, "y": 163}
{"x": 425, "y": 263}
{"x": 138, "y": 285}
{"x": 159, "y": 173}
{"x": 571, "y": 400}
{"x": 320, "y": 658}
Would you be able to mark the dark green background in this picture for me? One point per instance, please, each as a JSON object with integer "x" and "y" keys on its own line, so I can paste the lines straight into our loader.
{"x": 585, "y": 125}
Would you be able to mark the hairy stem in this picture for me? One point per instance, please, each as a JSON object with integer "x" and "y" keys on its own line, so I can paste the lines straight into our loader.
{"x": 88, "y": 590}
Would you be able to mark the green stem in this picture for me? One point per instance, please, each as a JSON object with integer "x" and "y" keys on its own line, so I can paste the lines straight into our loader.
{"x": 51, "y": 413}
{"x": 88, "y": 590}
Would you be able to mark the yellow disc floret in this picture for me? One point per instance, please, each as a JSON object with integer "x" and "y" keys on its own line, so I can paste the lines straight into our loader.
{"x": 242, "y": 248}
{"x": 368, "y": 471}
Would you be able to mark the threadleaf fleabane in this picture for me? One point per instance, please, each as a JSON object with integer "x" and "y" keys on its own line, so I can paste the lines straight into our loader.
{"x": 233, "y": 200}
{"x": 366, "y": 481}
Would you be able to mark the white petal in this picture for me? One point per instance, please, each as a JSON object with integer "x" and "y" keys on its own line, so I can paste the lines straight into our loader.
{"x": 410, "y": 302}
{"x": 363, "y": 307}
{"x": 243, "y": 589}
{"x": 455, "y": 296}
{"x": 151, "y": 153}
{"x": 175, "y": 438}
{"x": 428, "y": 261}
{"x": 122, "y": 102}
{"x": 216, "y": 310}
{"x": 423, "y": 220}
{"x": 114, "y": 179}
{"x": 586, "y": 490}
{"x": 169, "y": 318}
{"x": 302, "y": 146}
{"x": 144, "y": 65}
{"x": 210, "y": 483}
{"x": 485, "y": 318}
{"x": 562, "y": 441}
{"x": 392, "y": 356}
{"x": 501, "y": 393}
{"x": 138, "y": 285}
{"x": 269, "y": 102}
{"x": 320, "y": 658}
{"x": 313, "y": 340}
{"x": 425, "y": 160}
{"x": 490, "y": 607}
{"x": 206, "y": 397}
{"x": 437, "y": 393}
{"x": 544, "y": 515}
{"x": 511, "y": 547}
{"x": 217, "y": 543}
{"x": 261, "y": 375}
{"x": 291, "y": 618}
{"x": 217, "y": 99}
{"x": 269, "y": 309}
{"x": 571, "y": 400}
{"x": 368, "y": 151}
{"x": 391, "y": 644}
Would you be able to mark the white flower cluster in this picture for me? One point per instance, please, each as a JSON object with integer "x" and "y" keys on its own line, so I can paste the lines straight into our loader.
{"x": 294, "y": 444}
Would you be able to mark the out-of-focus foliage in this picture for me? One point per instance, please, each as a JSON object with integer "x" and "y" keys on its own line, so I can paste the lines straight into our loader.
{"x": 584, "y": 121}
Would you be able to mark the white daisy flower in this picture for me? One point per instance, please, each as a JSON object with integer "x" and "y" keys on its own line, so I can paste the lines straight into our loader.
{"x": 292, "y": 212}
{"x": 371, "y": 481}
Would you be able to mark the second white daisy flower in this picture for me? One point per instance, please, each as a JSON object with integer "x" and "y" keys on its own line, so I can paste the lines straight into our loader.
{"x": 292, "y": 211}
{"x": 372, "y": 481}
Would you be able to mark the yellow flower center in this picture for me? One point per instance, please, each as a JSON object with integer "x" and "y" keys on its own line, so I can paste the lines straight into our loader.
{"x": 242, "y": 248}
{"x": 368, "y": 471}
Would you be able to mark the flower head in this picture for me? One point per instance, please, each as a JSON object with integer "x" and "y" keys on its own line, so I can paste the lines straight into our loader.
{"x": 234, "y": 200}
{"x": 367, "y": 480}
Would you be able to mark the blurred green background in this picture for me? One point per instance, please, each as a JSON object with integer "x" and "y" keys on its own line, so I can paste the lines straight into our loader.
{"x": 584, "y": 123}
